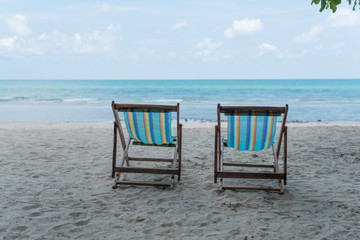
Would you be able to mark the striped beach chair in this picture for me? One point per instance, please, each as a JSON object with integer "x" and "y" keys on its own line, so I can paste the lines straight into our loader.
{"x": 251, "y": 129}
{"x": 148, "y": 125}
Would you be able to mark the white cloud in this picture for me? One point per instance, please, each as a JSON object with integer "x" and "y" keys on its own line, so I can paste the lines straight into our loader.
{"x": 311, "y": 35}
{"x": 112, "y": 27}
{"x": 105, "y": 7}
{"x": 77, "y": 37}
{"x": 42, "y": 36}
{"x": 206, "y": 46}
{"x": 245, "y": 27}
{"x": 96, "y": 42}
{"x": 8, "y": 42}
{"x": 54, "y": 42}
{"x": 268, "y": 47}
{"x": 229, "y": 33}
{"x": 172, "y": 54}
{"x": 344, "y": 17}
{"x": 100, "y": 42}
{"x": 19, "y": 25}
{"x": 180, "y": 24}
{"x": 82, "y": 45}
{"x": 339, "y": 45}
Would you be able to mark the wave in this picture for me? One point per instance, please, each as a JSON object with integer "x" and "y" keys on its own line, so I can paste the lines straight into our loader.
{"x": 48, "y": 100}
{"x": 165, "y": 100}
{"x": 201, "y": 101}
{"x": 80, "y": 100}
{"x": 10, "y": 99}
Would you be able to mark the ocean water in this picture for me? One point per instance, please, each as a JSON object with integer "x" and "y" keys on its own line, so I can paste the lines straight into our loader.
{"x": 90, "y": 101}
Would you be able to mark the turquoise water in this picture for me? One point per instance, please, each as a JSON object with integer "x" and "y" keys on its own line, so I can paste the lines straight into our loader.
{"x": 89, "y": 101}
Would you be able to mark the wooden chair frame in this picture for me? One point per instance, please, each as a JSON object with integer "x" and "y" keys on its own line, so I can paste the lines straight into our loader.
{"x": 176, "y": 160}
{"x": 220, "y": 143}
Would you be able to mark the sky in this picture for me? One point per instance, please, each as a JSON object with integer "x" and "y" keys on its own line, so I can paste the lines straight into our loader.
{"x": 168, "y": 39}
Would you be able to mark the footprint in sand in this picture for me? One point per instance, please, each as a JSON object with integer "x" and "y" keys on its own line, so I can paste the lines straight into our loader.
{"x": 35, "y": 214}
{"x": 20, "y": 228}
{"x": 82, "y": 223}
{"x": 31, "y": 207}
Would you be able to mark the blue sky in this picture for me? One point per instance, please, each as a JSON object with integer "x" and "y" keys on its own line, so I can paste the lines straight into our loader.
{"x": 167, "y": 39}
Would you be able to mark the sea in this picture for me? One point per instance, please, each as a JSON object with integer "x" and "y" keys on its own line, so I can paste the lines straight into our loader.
{"x": 310, "y": 100}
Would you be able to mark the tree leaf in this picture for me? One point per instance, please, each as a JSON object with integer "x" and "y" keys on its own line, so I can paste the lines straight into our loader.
{"x": 323, "y": 4}
{"x": 332, "y": 4}
{"x": 333, "y": 7}
{"x": 327, "y": 4}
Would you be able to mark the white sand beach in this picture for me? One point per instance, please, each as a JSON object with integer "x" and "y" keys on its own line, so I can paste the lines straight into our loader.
{"x": 56, "y": 184}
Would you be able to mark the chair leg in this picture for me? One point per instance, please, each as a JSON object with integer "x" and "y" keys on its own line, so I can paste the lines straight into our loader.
{"x": 116, "y": 180}
{"x": 285, "y": 154}
{"x": 179, "y": 150}
{"x": 221, "y": 156}
{"x": 114, "y": 151}
{"x": 216, "y": 154}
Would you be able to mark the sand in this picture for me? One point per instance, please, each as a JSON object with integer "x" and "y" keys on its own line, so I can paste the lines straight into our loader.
{"x": 56, "y": 184}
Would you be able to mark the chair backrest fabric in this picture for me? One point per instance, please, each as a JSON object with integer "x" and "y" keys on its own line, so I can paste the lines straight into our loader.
{"x": 148, "y": 126}
{"x": 251, "y": 131}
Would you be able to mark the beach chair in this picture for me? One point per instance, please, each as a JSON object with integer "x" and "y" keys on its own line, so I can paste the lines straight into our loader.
{"x": 147, "y": 125}
{"x": 251, "y": 129}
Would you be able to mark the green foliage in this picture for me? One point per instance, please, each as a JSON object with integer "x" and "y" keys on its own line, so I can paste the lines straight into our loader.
{"x": 332, "y": 4}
